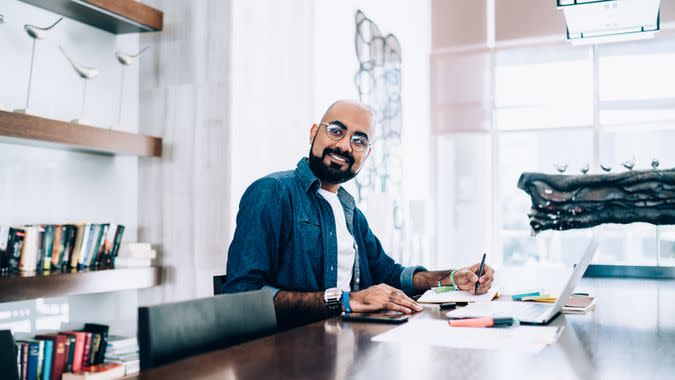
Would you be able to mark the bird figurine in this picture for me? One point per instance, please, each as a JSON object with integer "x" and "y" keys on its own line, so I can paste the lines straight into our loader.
{"x": 655, "y": 163}
{"x": 606, "y": 168}
{"x": 584, "y": 169}
{"x": 84, "y": 72}
{"x": 129, "y": 59}
{"x": 36, "y": 33}
{"x": 629, "y": 164}
{"x": 560, "y": 168}
{"x": 125, "y": 60}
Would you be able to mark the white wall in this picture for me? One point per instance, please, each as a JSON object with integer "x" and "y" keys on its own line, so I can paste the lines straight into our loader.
{"x": 272, "y": 89}
{"x": 292, "y": 59}
{"x": 40, "y": 185}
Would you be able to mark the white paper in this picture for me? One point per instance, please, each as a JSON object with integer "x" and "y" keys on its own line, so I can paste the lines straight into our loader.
{"x": 430, "y": 296}
{"x": 529, "y": 339}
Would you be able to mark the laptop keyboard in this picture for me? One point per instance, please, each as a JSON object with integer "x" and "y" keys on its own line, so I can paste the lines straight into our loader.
{"x": 526, "y": 311}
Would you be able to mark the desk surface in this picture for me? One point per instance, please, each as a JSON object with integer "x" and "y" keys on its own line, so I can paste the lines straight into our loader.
{"x": 631, "y": 334}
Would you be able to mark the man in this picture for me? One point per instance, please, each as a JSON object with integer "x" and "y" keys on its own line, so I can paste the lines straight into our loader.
{"x": 300, "y": 234}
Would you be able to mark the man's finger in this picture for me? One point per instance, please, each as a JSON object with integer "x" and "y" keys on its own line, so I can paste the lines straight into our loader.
{"x": 407, "y": 302}
{"x": 396, "y": 307}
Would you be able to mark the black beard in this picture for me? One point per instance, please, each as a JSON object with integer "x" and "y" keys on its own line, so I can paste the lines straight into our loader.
{"x": 331, "y": 173}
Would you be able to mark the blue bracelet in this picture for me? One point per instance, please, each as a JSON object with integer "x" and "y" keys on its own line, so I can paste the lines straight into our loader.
{"x": 345, "y": 302}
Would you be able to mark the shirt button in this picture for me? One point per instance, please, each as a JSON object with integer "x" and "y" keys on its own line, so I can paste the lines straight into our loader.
{"x": 331, "y": 267}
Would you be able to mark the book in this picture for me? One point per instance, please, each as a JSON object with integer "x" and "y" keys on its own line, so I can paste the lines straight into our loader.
{"x": 430, "y": 296}
{"x": 47, "y": 247}
{"x": 86, "y": 350}
{"x": 4, "y": 251}
{"x": 86, "y": 245}
{"x": 57, "y": 249}
{"x": 70, "y": 232}
{"x": 41, "y": 357}
{"x": 47, "y": 357}
{"x": 78, "y": 350}
{"x": 106, "y": 371}
{"x": 29, "y": 250}
{"x": 100, "y": 243}
{"x": 30, "y": 359}
{"x": 24, "y": 359}
{"x": 14, "y": 246}
{"x": 74, "y": 258}
{"x": 70, "y": 353}
{"x": 137, "y": 250}
{"x": 102, "y": 331}
{"x": 95, "y": 346}
{"x": 131, "y": 262}
{"x": 59, "y": 358}
{"x": 116, "y": 246}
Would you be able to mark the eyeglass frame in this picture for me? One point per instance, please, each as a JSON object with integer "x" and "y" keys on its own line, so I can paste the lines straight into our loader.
{"x": 347, "y": 132}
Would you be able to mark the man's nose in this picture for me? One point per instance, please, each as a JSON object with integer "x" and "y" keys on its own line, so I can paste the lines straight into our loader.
{"x": 345, "y": 144}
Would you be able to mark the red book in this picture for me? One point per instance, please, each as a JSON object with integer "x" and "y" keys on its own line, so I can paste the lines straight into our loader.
{"x": 87, "y": 349}
{"x": 79, "y": 348}
{"x": 59, "y": 355}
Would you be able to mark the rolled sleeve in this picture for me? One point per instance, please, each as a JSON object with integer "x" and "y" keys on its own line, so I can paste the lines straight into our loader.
{"x": 272, "y": 290}
{"x": 407, "y": 278}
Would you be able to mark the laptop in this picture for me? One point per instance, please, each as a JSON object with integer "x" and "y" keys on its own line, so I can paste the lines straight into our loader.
{"x": 531, "y": 313}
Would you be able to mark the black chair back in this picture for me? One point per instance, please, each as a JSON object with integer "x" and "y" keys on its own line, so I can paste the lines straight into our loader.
{"x": 174, "y": 331}
{"x": 218, "y": 282}
{"x": 8, "y": 367}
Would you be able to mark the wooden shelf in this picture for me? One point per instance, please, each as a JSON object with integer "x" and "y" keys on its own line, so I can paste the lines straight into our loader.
{"x": 115, "y": 16}
{"x": 17, "y": 286}
{"x": 34, "y": 130}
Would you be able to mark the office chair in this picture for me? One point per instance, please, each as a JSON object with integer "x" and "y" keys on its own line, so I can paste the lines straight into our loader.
{"x": 218, "y": 282}
{"x": 174, "y": 331}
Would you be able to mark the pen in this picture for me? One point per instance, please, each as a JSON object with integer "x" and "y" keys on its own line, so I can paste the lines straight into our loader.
{"x": 483, "y": 322}
{"x": 480, "y": 273}
{"x": 452, "y": 305}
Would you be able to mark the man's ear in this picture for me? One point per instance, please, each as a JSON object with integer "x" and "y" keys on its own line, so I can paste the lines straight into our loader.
{"x": 370, "y": 149}
{"x": 312, "y": 133}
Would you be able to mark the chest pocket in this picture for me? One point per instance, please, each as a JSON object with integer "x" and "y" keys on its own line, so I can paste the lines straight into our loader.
{"x": 309, "y": 244}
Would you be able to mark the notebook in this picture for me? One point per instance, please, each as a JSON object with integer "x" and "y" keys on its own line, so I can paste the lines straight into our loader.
{"x": 430, "y": 296}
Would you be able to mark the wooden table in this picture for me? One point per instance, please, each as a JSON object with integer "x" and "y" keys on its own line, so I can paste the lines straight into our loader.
{"x": 630, "y": 335}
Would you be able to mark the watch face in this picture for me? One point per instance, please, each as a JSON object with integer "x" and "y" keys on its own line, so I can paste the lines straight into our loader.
{"x": 332, "y": 294}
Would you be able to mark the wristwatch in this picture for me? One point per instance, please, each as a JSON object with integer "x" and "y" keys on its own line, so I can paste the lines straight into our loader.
{"x": 332, "y": 298}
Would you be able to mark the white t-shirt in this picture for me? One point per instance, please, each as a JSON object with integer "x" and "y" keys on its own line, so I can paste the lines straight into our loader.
{"x": 345, "y": 241}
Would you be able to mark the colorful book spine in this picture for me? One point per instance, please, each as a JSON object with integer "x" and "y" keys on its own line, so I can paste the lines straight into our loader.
{"x": 57, "y": 247}
{"x": 47, "y": 248}
{"x": 116, "y": 246}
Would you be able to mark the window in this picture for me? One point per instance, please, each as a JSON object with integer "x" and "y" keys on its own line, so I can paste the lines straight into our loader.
{"x": 555, "y": 107}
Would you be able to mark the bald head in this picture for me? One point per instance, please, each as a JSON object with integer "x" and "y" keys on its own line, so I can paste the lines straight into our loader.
{"x": 352, "y": 109}
{"x": 339, "y": 151}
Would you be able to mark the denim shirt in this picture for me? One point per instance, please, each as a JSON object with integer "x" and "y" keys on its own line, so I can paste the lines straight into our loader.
{"x": 285, "y": 239}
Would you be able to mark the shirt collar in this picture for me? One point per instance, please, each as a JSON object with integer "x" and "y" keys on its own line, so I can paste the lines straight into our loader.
{"x": 309, "y": 181}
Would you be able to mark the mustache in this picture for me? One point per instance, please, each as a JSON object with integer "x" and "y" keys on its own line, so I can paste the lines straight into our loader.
{"x": 338, "y": 152}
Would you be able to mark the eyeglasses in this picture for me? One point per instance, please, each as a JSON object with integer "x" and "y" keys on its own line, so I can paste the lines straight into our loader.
{"x": 337, "y": 133}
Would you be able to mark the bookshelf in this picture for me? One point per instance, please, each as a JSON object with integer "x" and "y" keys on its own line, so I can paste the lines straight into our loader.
{"x": 114, "y": 16}
{"x": 34, "y": 130}
{"x": 18, "y": 287}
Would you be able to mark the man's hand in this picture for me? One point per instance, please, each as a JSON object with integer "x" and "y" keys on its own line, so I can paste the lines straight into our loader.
{"x": 381, "y": 297}
{"x": 466, "y": 278}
